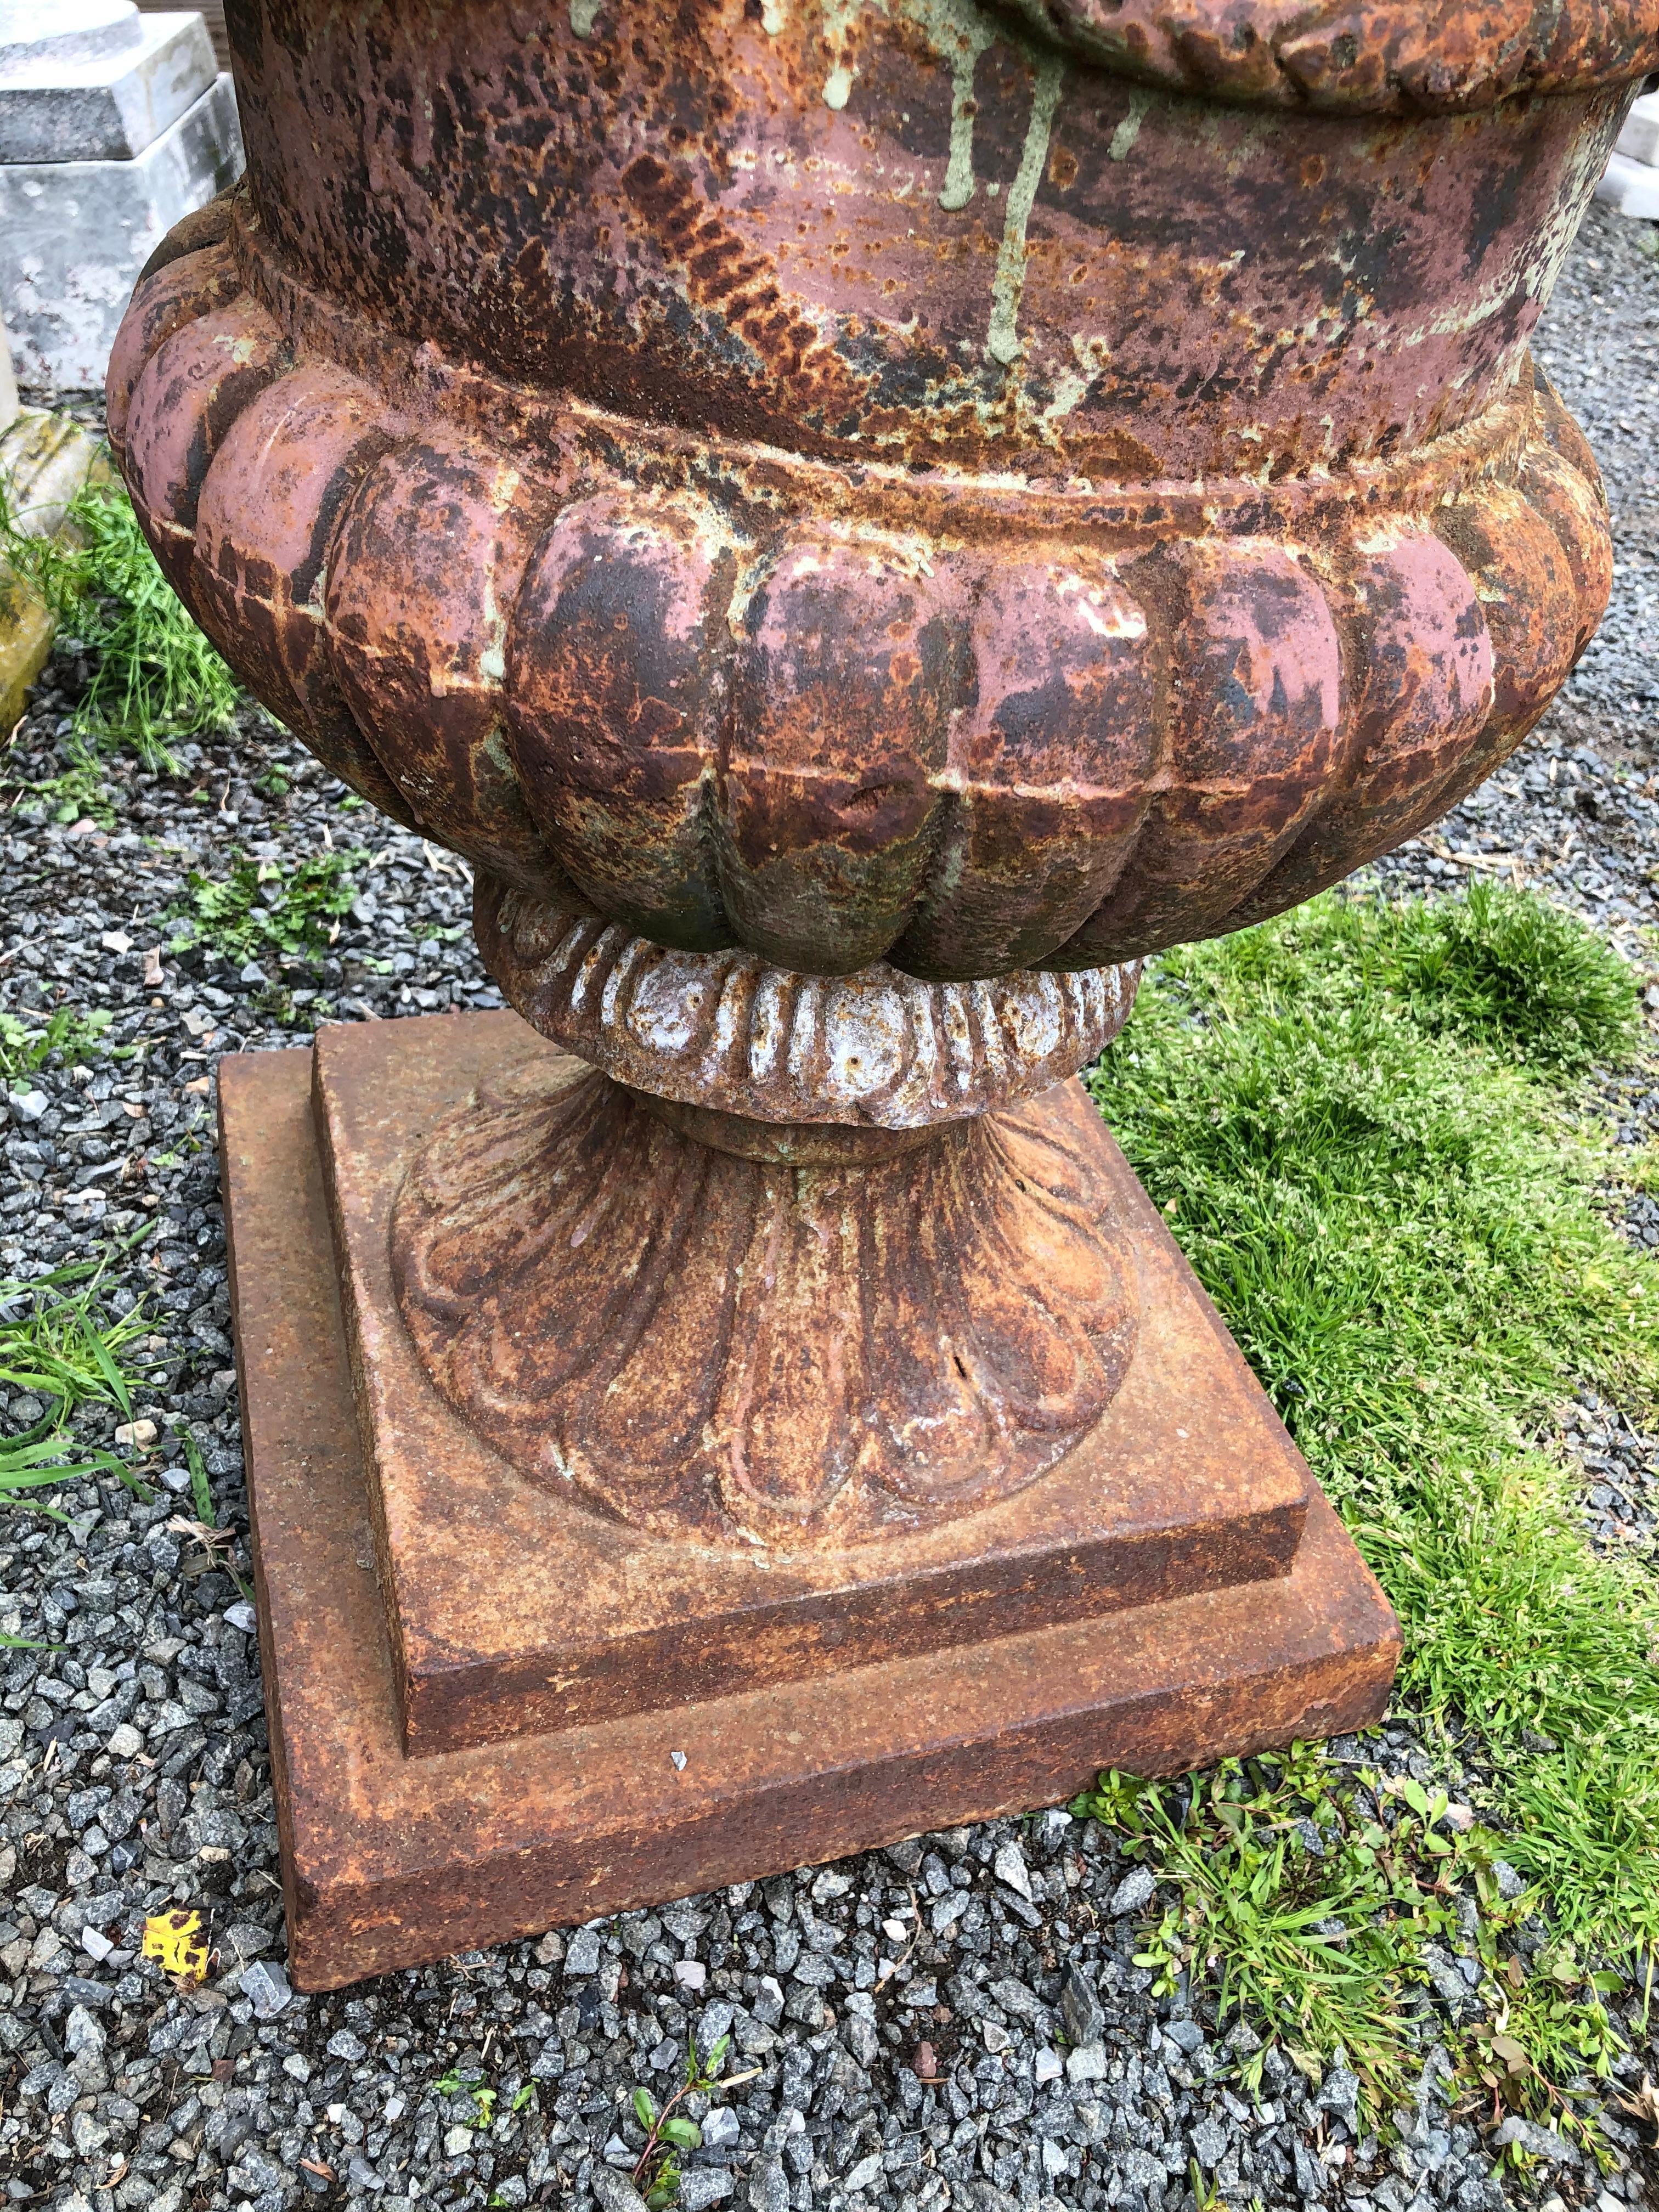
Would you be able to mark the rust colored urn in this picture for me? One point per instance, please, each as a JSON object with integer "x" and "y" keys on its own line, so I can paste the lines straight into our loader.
{"x": 861, "y": 519}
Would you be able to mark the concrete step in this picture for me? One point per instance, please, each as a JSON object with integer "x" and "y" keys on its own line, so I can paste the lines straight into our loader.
{"x": 1631, "y": 186}
{"x": 1639, "y": 139}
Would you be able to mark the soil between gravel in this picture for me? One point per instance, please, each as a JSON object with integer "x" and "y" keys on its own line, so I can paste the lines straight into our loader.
{"x": 134, "y": 1771}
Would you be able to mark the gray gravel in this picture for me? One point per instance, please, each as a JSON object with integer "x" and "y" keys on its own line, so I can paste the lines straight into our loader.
{"x": 1575, "y": 813}
{"x": 1576, "y": 810}
{"x": 958, "y": 2022}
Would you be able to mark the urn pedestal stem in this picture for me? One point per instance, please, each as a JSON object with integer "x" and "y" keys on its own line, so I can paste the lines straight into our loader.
{"x": 791, "y": 1335}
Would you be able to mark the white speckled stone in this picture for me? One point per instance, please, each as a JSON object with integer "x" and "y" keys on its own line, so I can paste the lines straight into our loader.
{"x": 74, "y": 236}
{"x": 1639, "y": 139}
{"x": 1632, "y": 187}
{"x": 96, "y": 80}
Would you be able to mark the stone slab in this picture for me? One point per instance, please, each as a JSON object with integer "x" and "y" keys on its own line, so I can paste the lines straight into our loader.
{"x": 74, "y": 236}
{"x": 213, "y": 13}
{"x": 513, "y": 1609}
{"x": 1639, "y": 139}
{"x": 389, "y": 1860}
{"x": 10, "y": 402}
{"x": 76, "y": 29}
{"x": 1630, "y": 187}
{"x": 27, "y": 630}
{"x": 45, "y": 461}
{"x": 107, "y": 106}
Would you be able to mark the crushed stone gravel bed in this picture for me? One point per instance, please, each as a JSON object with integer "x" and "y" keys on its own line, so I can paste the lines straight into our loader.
{"x": 956, "y": 2021}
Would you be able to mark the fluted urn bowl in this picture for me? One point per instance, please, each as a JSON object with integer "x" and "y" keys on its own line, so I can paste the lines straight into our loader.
{"x": 861, "y": 519}
{"x": 973, "y": 488}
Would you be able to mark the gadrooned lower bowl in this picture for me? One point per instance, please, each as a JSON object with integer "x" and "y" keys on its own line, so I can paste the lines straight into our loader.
{"x": 732, "y": 696}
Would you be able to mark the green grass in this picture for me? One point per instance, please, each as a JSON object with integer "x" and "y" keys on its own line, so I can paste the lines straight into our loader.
{"x": 155, "y": 675}
{"x": 79, "y": 790}
{"x": 1494, "y": 967}
{"x": 58, "y": 1342}
{"x": 262, "y": 906}
{"x": 1327, "y": 1950}
{"x": 27, "y": 1045}
{"x": 1351, "y": 1119}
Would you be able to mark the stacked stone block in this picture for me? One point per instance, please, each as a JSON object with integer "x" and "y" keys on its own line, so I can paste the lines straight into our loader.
{"x": 1632, "y": 182}
{"x": 113, "y": 126}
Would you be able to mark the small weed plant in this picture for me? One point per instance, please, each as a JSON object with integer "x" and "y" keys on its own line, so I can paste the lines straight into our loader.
{"x": 1353, "y": 1120}
{"x": 214, "y": 1546}
{"x": 155, "y": 675}
{"x": 80, "y": 791}
{"x": 25, "y": 1046}
{"x": 57, "y": 1343}
{"x": 263, "y": 906}
{"x": 483, "y": 2098}
{"x": 668, "y": 2131}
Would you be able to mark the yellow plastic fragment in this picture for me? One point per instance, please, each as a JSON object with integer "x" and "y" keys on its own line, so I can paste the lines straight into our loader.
{"x": 176, "y": 1939}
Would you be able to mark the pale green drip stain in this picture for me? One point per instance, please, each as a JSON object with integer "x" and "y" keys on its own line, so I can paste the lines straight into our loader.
{"x": 1128, "y": 130}
{"x": 959, "y": 33}
{"x": 583, "y": 13}
{"x": 1002, "y": 342}
{"x": 839, "y": 17}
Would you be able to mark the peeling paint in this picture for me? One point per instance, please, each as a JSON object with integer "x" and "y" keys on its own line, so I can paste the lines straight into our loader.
{"x": 801, "y": 623}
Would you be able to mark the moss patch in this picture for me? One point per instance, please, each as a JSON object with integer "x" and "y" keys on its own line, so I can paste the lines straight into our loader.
{"x": 1354, "y": 1120}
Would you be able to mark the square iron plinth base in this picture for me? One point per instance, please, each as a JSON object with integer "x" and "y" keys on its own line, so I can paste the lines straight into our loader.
{"x": 516, "y": 1610}
{"x": 391, "y": 1858}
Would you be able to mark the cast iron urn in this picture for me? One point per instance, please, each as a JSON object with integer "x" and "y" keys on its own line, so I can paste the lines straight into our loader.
{"x": 861, "y": 520}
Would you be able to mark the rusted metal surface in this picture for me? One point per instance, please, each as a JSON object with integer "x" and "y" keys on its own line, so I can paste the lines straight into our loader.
{"x": 723, "y": 1030}
{"x": 841, "y": 225}
{"x": 895, "y": 490}
{"x": 1154, "y": 1504}
{"x": 1362, "y": 57}
{"x": 390, "y": 1860}
{"x": 713, "y": 1343}
{"x": 856, "y": 483}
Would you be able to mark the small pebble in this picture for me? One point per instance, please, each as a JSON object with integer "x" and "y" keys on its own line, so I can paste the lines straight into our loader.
{"x": 1135, "y": 1890}
{"x": 1009, "y": 1866}
{"x": 264, "y": 1984}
